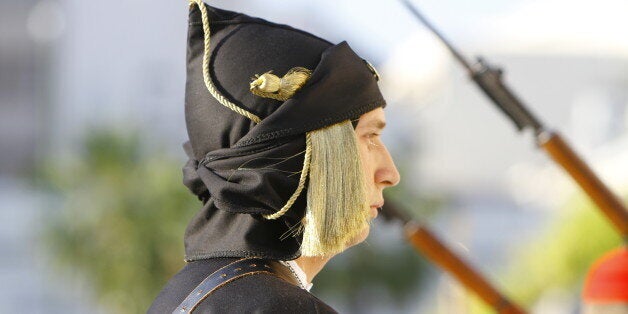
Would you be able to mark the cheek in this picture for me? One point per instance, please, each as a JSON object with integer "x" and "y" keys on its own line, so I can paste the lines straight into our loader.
{"x": 366, "y": 159}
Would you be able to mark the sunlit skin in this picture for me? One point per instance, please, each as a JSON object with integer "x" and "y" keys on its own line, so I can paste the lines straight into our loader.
{"x": 379, "y": 173}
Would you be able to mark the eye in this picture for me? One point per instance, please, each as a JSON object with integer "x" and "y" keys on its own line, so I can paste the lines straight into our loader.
{"x": 373, "y": 138}
{"x": 371, "y": 135}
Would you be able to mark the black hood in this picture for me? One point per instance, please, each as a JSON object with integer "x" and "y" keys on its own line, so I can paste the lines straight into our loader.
{"x": 242, "y": 170}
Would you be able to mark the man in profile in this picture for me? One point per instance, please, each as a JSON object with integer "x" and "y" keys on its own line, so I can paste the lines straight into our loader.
{"x": 286, "y": 156}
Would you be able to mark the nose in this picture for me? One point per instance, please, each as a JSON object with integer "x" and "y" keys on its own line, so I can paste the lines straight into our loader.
{"x": 387, "y": 174}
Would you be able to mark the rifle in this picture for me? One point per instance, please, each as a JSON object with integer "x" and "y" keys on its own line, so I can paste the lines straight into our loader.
{"x": 425, "y": 241}
{"x": 489, "y": 79}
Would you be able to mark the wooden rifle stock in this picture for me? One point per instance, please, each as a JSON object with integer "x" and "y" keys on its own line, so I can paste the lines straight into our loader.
{"x": 424, "y": 241}
{"x": 608, "y": 203}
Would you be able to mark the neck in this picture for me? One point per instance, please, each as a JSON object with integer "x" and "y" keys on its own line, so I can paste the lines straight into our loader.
{"x": 312, "y": 265}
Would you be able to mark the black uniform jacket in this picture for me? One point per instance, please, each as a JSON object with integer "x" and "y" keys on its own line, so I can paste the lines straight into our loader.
{"x": 259, "y": 293}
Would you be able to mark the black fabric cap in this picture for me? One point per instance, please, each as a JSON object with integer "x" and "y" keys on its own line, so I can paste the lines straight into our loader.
{"x": 242, "y": 170}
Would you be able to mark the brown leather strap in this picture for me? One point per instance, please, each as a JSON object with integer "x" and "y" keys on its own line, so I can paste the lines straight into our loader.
{"x": 229, "y": 273}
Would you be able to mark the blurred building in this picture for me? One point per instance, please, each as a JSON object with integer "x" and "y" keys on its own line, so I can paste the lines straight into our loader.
{"x": 28, "y": 31}
{"x": 24, "y": 72}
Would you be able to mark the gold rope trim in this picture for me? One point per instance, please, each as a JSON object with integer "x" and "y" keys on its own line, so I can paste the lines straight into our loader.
{"x": 302, "y": 179}
{"x": 208, "y": 83}
{"x": 212, "y": 90}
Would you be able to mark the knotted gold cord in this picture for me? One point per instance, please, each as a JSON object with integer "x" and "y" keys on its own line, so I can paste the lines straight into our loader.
{"x": 212, "y": 90}
{"x": 282, "y": 88}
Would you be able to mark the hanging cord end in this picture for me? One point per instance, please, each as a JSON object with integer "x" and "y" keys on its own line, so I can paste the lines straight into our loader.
{"x": 267, "y": 83}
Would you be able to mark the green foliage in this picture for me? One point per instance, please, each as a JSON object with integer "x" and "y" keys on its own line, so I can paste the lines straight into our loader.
{"x": 560, "y": 258}
{"x": 121, "y": 219}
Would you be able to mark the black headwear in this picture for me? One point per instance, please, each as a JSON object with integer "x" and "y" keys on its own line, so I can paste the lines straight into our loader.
{"x": 242, "y": 169}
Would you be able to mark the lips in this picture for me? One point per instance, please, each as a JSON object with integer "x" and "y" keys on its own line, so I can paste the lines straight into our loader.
{"x": 378, "y": 205}
{"x": 375, "y": 209}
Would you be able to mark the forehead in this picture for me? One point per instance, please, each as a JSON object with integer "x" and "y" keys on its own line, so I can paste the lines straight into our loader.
{"x": 374, "y": 118}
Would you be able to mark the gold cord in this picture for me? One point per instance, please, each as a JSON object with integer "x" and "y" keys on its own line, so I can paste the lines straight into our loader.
{"x": 212, "y": 90}
{"x": 208, "y": 83}
{"x": 302, "y": 179}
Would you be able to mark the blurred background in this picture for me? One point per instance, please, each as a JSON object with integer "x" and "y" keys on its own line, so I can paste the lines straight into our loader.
{"x": 92, "y": 209}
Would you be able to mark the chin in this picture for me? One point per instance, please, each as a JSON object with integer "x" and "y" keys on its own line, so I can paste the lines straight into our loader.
{"x": 360, "y": 237}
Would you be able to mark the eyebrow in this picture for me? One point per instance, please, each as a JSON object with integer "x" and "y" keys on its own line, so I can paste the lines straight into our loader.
{"x": 377, "y": 124}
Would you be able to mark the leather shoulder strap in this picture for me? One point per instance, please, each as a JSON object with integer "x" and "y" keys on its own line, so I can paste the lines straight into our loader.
{"x": 229, "y": 273}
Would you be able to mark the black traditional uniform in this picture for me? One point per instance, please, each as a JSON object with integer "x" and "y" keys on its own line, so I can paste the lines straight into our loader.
{"x": 231, "y": 128}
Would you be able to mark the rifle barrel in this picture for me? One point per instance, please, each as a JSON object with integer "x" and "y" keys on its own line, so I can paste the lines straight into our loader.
{"x": 490, "y": 81}
{"x": 451, "y": 48}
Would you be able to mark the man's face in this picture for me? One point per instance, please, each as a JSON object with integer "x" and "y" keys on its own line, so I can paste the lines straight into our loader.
{"x": 379, "y": 169}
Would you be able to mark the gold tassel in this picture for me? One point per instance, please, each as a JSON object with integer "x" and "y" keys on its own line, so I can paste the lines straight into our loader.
{"x": 337, "y": 207}
{"x": 269, "y": 85}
